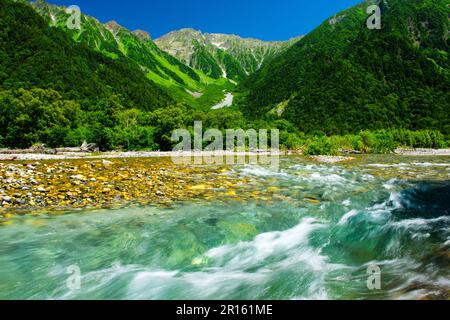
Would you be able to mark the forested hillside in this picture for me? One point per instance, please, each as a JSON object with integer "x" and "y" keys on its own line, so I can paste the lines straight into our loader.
{"x": 111, "y": 39}
{"x": 34, "y": 55}
{"x": 48, "y": 83}
{"x": 344, "y": 77}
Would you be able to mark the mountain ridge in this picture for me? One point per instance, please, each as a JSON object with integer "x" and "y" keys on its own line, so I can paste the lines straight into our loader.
{"x": 221, "y": 55}
{"x": 343, "y": 78}
{"x": 117, "y": 42}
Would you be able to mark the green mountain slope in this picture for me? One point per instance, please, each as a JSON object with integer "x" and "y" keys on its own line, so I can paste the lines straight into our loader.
{"x": 220, "y": 55}
{"x": 33, "y": 55}
{"x": 55, "y": 91}
{"x": 343, "y": 77}
{"x": 182, "y": 82}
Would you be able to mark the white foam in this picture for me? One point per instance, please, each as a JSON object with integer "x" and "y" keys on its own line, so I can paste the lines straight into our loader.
{"x": 246, "y": 254}
{"x": 268, "y": 252}
{"x": 395, "y": 200}
{"x": 428, "y": 164}
{"x": 419, "y": 223}
{"x": 390, "y": 184}
{"x": 217, "y": 283}
{"x": 254, "y": 170}
{"x": 348, "y": 216}
{"x": 330, "y": 178}
{"x": 347, "y": 202}
{"x": 368, "y": 177}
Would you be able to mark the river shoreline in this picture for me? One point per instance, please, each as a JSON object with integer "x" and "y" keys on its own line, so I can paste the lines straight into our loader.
{"x": 11, "y": 156}
{"x": 124, "y": 155}
{"x": 423, "y": 152}
{"x": 154, "y": 178}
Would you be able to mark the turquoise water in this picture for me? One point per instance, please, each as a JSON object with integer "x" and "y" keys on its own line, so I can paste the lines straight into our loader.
{"x": 315, "y": 238}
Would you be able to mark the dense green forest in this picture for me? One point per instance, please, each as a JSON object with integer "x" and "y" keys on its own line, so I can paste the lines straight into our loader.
{"x": 343, "y": 77}
{"x": 336, "y": 88}
{"x": 47, "y": 81}
{"x": 34, "y": 55}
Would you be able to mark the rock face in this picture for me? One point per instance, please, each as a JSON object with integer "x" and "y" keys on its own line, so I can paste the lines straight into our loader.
{"x": 113, "y": 27}
{"x": 220, "y": 55}
{"x": 143, "y": 35}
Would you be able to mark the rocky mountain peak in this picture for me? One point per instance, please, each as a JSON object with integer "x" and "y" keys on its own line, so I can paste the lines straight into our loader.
{"x": 220, "y": 54}
{"x": 143, "y": 35}
{"x": 113, "y": 26}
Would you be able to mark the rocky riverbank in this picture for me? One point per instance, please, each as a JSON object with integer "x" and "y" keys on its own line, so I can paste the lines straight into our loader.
{"x": 115, "y": 180}
{"x": 11, "y": 156}
{"x": 53, "y": 185}
{"x": 423, "y": 152}
{"x": 331, "y": 159}
{"x": 71, "y": 155}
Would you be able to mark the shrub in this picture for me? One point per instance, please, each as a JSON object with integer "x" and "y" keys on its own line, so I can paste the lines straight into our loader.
{"x": 368, "y": 141}
{"x": 321, "y": 146}
{"x": 290, "y": 141}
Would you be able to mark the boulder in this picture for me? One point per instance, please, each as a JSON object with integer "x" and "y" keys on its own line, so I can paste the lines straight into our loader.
{"x": 89, "y": 147}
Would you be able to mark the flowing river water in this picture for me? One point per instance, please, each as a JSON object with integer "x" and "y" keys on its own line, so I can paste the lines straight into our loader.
{"x": 313, "y": 235}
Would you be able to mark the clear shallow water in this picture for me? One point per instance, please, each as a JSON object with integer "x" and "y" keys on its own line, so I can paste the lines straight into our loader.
{"x": 312, "y": 237}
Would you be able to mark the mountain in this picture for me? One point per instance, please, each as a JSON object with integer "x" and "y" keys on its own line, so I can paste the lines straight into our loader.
{"x": 33, "y": 55}
{"x": 344, "y": 77}
{"x": 118, "y": 89}
{"x": 220, "y": 55}
{"x": 59, "y": 92}
{"x": 180, "y": 81}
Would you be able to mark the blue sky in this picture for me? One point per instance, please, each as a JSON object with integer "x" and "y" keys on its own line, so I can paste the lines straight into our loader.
{"x": 262, "y": 19}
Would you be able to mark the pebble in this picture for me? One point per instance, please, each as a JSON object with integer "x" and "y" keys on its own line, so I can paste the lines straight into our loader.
{"x": 78, "y": 177}
{"x": 106, "y": 163}
{"x": 82, "y": 184}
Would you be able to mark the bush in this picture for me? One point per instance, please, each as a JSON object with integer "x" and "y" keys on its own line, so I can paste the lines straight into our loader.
{"x": 420, "y": 139}
{"x": 134, "y": 138}
{"x": 384, "y": 142}
{"x": 77, "y": 136}
{"x": 368, "y": 141}
{"x": 290, "y": 141}
{"x": 321, "y": 146}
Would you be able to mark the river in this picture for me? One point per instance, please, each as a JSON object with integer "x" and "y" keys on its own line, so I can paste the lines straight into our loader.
{"x": 307, "y": 231}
